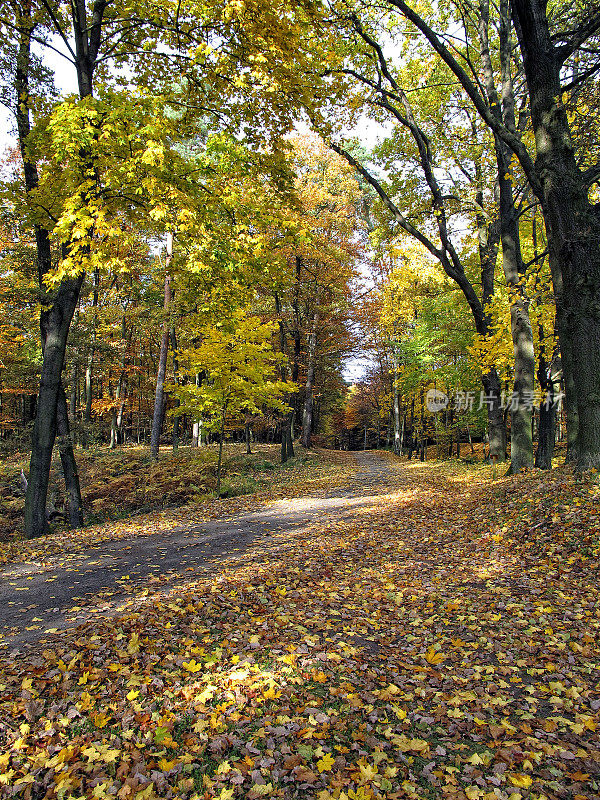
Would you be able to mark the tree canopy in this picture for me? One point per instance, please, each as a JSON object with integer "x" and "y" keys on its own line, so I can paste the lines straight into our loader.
{"x": 455, "y": 251}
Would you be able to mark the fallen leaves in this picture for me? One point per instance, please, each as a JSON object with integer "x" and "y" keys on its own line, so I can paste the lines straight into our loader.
{"x": 433, "y": 657}
{"x": 400, "y": 649}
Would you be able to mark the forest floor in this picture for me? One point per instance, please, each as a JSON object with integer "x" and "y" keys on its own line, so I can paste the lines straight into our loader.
{"x": 371, "y": 628}
{"x": 125, "y": 481}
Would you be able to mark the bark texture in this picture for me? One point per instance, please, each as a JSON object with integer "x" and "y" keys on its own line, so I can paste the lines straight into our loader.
{"x": 307, "y": 418}
{"x": 159, "y": 397}
{"x": 572, "y": 224}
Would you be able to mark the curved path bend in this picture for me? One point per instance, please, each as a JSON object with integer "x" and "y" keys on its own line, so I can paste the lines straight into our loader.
{"x": 39, "y": 601}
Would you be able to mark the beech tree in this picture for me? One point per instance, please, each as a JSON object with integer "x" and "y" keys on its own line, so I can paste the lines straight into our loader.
{"x": 560, "y": 184}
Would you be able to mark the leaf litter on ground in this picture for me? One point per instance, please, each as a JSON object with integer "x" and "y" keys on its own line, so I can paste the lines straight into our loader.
{"x": 439, "y": 640}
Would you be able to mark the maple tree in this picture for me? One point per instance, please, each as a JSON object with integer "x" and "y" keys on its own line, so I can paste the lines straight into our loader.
{"x": 238, "y": 367}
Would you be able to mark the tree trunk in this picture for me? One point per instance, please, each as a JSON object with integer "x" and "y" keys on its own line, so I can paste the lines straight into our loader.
{"x": 196, "y": 425}
{"x": 74, "y": 387}
{"x": 121, "y": 435}
{"x": 284, "y": 455}
{"x": 116, "y": 413}
{"x": 396, "y": 409}
{"x": 287, "y": 445}
{"x": 55, "y": 323}
{"x": 220, "y": 461}
{"x": 289, "y": 435}
{"x": 176, "y": 381}
{"x": 297, "y": 344}
{"x": 247, "y": 434}
{"x": 159, "y": 397}
{"x": 67, "y": 459}
{"x": 470, "y": 440}
{"x": 307, "y": 417}
{"x": 546, "y": 433}
{"x": 401, "y": 447}
{"x": 570, "y": 399}
{"x": 28, "y": 408}
{"x": 113, "y": 429}
{"x": 521, "y": 443}
{"x": 572, "y": 222}
{"x": 547, "y": 375}
{"x": 495, "y": 416}
{"x": 87, "y": 413}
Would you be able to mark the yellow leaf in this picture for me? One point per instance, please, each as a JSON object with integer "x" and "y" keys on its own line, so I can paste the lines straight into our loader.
{"x": 520, "y": 780}
{"x": 433, "y": 657}
{"x": 132, "y": 695}
{"x": 367, "y": 772}
{"x": 192, "y": 666}
{"x": 207, "y": 694}
{"x": 476, "y": 759}
{"x": 100, "y": 719}
{"x": 326, "y": 763}
{"x": 419, "y": 745}
{"x": 86, "y": 702}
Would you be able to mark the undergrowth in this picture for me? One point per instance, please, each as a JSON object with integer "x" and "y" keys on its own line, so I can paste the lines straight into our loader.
{"x": 118, "y": 483}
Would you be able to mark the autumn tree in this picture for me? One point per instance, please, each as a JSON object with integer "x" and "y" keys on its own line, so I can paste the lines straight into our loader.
{"x": 240, "y": 375}
{"x": 318, "y": 244}
{"x": 149, "y": 47}
{"x": 560, "y": 181}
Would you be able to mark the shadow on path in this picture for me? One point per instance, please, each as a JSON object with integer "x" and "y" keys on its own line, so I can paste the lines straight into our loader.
{"x": 37, "y": 601}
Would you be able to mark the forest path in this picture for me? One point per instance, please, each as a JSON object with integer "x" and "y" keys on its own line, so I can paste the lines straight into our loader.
{"x": 41, "y": 600}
